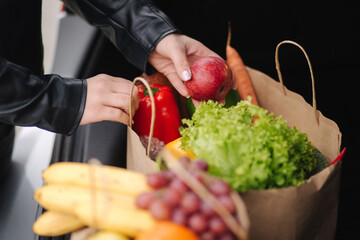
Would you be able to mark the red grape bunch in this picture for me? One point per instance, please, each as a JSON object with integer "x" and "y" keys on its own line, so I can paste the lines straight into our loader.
{"x": 173, "y": 200}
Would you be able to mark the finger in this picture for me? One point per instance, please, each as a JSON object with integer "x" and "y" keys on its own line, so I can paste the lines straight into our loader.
{"x": 116, "y": 84}
{"x": 117, "y": 100}
{"x": 134, "y": 106}
{"x": 117, "y": 79}
{"x": 196, "y": 103}
{"x": 119, "y": 95}
{"x": 125, "y": 89}
{"x": 179, "y": 58}
{"x": 115, "y": 115}
{"x": 178, "y": 84}
{"x": 121, "y": 101}
{"x": 135, "y": 98}
{"x": 120, "y": 85}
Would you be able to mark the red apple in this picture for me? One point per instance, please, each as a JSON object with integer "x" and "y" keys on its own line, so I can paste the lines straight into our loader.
{"x": 211, "y": 79}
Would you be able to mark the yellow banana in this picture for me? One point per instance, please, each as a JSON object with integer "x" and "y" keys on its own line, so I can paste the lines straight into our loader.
{"x": 108, "y": 177}
{"x": 55, "y": 224}
{"x": 115, "y": 217}
{"x": 64, "y": 198}
{"x": 108, "y": 235}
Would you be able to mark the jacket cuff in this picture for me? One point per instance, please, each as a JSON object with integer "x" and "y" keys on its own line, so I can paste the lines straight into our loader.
{"x": 83, "y": 94}
{"x": 60, "y": 106}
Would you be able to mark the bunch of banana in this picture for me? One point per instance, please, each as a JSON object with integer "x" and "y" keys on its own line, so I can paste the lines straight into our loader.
{"x": 76, "y": 195}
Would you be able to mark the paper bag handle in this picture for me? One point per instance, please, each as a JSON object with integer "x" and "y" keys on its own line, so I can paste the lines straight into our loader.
{"x": 316, "y": 114}
{"x": 152, "y": 122}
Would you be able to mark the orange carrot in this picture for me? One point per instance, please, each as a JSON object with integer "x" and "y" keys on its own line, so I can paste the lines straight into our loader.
{"x": 244, "y": 85}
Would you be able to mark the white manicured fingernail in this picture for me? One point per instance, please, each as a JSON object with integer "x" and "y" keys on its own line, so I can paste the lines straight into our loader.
{"x": 185, "y": 75}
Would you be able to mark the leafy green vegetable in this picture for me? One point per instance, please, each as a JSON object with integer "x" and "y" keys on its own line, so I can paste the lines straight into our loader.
{"x": 248, "y": 154}
{"x": 231, "y": 99}
{"x": 321, "y": 162}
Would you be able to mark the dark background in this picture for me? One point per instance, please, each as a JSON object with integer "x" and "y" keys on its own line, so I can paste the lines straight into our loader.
{"x": 330, "y": 35}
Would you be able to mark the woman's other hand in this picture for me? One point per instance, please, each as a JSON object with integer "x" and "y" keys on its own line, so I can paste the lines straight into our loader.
{"x": 108, "y": 99}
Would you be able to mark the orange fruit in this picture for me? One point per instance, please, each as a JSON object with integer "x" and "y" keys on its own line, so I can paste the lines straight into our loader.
{"x": 166, "y": 230}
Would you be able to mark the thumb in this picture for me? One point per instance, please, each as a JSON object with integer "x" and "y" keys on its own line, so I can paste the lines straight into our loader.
{"x": 181, "y": 65}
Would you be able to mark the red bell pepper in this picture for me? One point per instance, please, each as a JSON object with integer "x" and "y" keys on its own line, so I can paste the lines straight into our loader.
{"x": 167, "y": 116}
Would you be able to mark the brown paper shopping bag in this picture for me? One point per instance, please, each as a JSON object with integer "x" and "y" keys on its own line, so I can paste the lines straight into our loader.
{"x": 136, "y": 155}
{"x": 308, "y": 211}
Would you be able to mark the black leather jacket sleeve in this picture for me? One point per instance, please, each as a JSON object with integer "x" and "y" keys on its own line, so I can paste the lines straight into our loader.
{"x": 55, "y": 103}
{"x": 133, "y": 26}
{"x": 48, "y": 101}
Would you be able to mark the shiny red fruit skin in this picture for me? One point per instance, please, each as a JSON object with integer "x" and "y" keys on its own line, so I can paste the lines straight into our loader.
{"x": 211, "y": 79}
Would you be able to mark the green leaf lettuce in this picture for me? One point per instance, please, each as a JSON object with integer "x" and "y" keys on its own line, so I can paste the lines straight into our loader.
{"x": 248, "y": 154}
